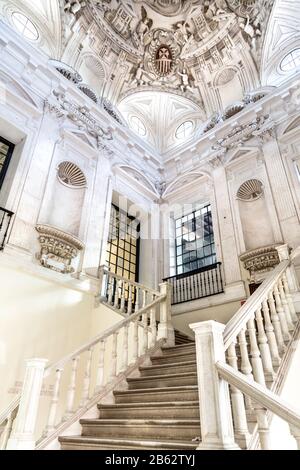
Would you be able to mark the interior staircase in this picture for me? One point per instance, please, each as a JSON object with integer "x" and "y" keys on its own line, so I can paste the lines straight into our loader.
{"x": 159, "y": 411}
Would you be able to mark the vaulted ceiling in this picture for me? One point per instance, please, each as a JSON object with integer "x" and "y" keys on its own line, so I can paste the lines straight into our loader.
{"x": 166, "y": 62}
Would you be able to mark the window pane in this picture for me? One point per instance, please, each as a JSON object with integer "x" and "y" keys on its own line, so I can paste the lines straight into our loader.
{"x": 121, "y": 252}
{"x": 195, "y": 248}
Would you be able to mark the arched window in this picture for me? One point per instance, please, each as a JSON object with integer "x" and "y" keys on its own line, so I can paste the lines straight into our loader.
{"x": 25, "y": 26}
{"x": 291, "y": 61}
{"x": 137, "y": 125}
{"x": 184, "y": 130}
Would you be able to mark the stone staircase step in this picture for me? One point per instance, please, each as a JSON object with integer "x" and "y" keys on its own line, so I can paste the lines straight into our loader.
{"x": 168, "y": 358}
{"x": 167, "y": 429}
{"x": 179, "y": 348}
{"x": 168, "y": 380}
{"x": 165, "y": 369}
{"x": 163, "y": 394}
{"x": 96, "y": 443}
{"x": 151, "y": 410}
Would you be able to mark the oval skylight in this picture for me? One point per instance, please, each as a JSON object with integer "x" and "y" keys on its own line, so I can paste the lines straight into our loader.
{"x": 25, "y": 26}
{"x": 184, "y": 130}
{"x": 291, "y": 61}
{"x": 137, "y": 125}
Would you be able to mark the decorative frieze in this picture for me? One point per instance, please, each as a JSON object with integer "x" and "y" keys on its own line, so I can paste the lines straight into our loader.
{"x": 242, "y": 133}
{"x": 80, "y": 115}
{"x": 260, "y": 260}
{"x": 58, "y": 249}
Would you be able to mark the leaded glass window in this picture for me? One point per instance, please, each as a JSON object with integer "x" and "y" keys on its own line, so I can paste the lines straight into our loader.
{"x": 123, "y": 244}
{"x": 6, "y": 149}
{"x": 195, "y": 244}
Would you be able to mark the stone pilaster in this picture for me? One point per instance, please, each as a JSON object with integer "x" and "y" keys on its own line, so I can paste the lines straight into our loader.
{"x": 228, "y": 241}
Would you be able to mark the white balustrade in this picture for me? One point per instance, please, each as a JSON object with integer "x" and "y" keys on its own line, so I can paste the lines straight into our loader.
{"x": 73, "y": 377}
{"x": 255, "y": 341}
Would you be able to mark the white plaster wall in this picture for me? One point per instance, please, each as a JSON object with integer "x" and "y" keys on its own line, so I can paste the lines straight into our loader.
{"x": 257, "y": 229}
{"x": 219, "y": 313}
{"x": 41, "y": 318}
{"x": 65, "y": 208}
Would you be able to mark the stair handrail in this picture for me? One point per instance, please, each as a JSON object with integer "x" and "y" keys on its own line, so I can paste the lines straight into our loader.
{"x": 106, "y": 271}
{"x": 260, "y": 394}
{"x": 255, "y": 344}
{"x": 145, "y": 332}
{"x": 241, "y": 317}
{"x": 105, "y": 334}
{"x": 13, "y": 405}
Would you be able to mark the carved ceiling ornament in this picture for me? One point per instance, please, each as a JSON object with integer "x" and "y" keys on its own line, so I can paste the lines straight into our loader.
{"x": 80, "y": 115}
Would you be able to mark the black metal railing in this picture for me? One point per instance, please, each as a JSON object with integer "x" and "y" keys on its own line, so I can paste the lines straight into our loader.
{"x": 5, "y": 220}
{"x": 196, "y": 284}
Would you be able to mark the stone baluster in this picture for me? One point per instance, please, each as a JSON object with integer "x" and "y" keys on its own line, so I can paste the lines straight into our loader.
{"x": 123, "y": 295}
{"x": 145, "y": 332}
{"x": 238, "y": 405}
{"x": 276, "y": 323}
{"x": 54, "y": 403}
{"x": 110, "y": 289}
{"x": 137, "y": 299}
{"x": 295, "y": 432}
{"x": 124, "y": 364}
{"x": 144, "y": 298}
{"x": 263, "y": 427}
{"x": 118, "y": 293}
{"x": 153, "y": 325}
{"x": 8, "y": 429}
{"x": 165, "y": 327}
{"x": 285, "y": 306}
{"x": 270, "y": 334}
{"x": 258, "y": 374}
{"x": 281, "y": 315}
{"x": 257, "y": 367}
{"x": 264, "y": 347}
{"x": 214, "y": 400}
{"x": 129, "y": 307}
{"x": 135, "y": 346}
{"x": 87, "y": 378}
{"x": 114, "y": 356}
{"x": 23, "y": 434}
{"x": 289, "y": 298}
{"x": 100, "y": 367}
{"x": 246, "y": 367}
{"x": 71, "y": 389}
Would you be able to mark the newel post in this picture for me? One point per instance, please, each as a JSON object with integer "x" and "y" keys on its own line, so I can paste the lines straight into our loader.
{"x": 103, "y": 282}
{"x": 283, "y": 254}
{"x": 23, "y": 437}
{"x": 214, "y": 400}
{"x": 165, "y": 327}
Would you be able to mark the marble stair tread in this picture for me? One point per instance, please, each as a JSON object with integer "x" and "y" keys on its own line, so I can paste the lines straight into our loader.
{"x": 180, "y": 388}
{"x": 167, "y": 366}
{"x": 114, "y": 443}
{"x": 154, "y": 404}
{"x": 179, "y": 347}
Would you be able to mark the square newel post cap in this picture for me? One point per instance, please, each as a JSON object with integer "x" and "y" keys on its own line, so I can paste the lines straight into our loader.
{"x": 283, "y": 252}
{"x": 37, "y": 363}
{"x": 205, "y": 327}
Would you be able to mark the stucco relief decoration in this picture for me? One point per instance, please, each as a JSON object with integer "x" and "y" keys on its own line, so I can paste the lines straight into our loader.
{"x": 57, "y": 249}
{"x": 80, "y": 115}
{"x": 260, "y": 261}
